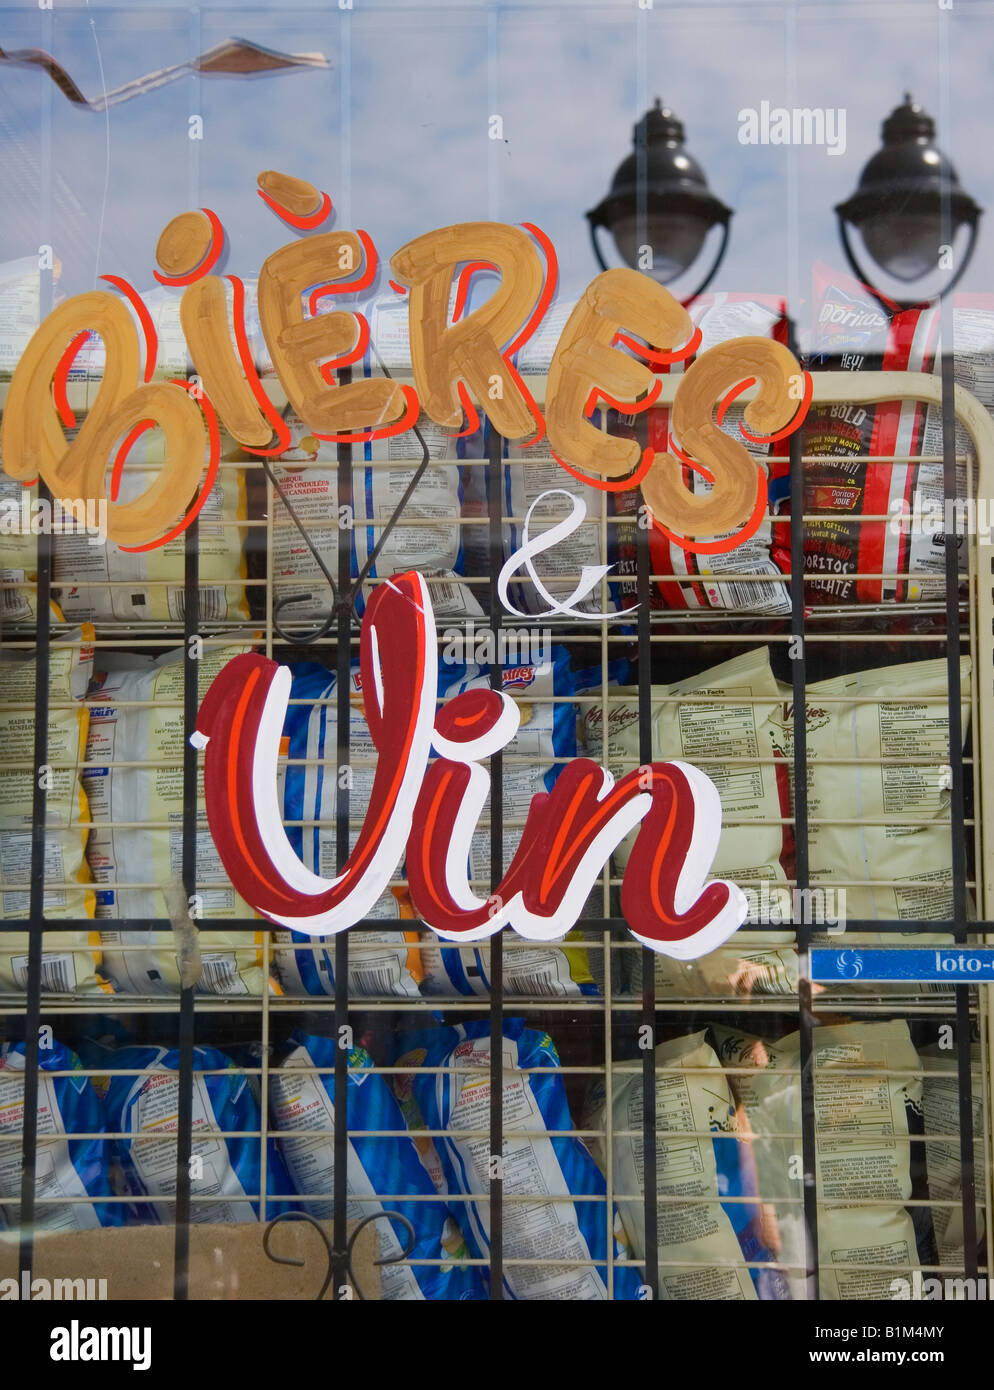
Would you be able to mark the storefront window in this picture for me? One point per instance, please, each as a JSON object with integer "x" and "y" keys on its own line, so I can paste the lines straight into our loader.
{"x": 332, "y": 543}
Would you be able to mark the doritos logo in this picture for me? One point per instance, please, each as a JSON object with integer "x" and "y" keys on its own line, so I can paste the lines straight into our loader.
{"x": 836, "y": 499}
{"x": 847, "y": 322}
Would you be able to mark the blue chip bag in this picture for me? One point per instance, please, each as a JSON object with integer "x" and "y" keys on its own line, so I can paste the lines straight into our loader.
{"x": 387, "y": 1165}
{"x": 534, "y": 969}
{"x": 226, "y": 1170}
{"x": 541, "y": 1166}
{"x": 65, "y": 1167}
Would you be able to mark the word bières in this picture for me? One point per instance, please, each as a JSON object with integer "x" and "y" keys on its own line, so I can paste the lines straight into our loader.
{"x": 453, "y": 364}
{"x": 431, "y": 808}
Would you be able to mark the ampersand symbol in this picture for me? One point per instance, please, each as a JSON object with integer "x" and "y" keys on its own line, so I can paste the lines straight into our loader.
{"x": 590, "y": 575}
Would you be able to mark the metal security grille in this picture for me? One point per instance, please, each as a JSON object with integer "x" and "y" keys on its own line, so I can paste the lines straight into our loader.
{"x": 597, "y": 1035}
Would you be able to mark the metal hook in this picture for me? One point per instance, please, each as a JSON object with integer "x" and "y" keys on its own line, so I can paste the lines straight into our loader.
{"x": 350, "y": 598}
{"x": 356, "y": 588}
{"x": 302, "y": 639}
{"x": 387, "y": 1260}
{"x": 334, "y": 1256}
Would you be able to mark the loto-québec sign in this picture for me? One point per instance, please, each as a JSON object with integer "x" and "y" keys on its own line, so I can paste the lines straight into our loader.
{"x": 422, "y": 810}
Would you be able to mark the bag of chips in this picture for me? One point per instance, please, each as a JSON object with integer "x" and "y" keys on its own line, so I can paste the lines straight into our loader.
{"x": 716, "y": 714}
{"x": 71, "y": 961}
{"x": 64, "y": 1167}
{"x": 940, "y": 1102}
{"x": 225, "y": 1173}
{"x": 20, "y": 314}
{"x": 753, "y": 583}
{"x": 893, "y": 724}
{"x": 869, "y": 735}
{"x": 136, "y": 733}
{"x": 531, "y": 762}
{"x": 427, "y": 536}
{"x": 547, "y": 1169}
{"x": 703, "y": 1243}
{"x": 561, "y": 565}
{"x": 18, "y": 553}
{"x": 386, "y": 1164}
{"x": 862, "y": 1147}
{"x": 853, "y": 333}
{"x": 102, "y": 582}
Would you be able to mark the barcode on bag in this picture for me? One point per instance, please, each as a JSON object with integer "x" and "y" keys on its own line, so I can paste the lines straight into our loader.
{"x": 374, "y": 979}
{"x": 758, "y": 977}
{"x": 543, "y": 985}
{"x": 220, "y": 976}
{"x": 57, "y": 974}
{"x": 12, "y": 601}
{"x": 213, "y": 603}
{"x": 442, "y": 591}
{"x": 757, "y": 597}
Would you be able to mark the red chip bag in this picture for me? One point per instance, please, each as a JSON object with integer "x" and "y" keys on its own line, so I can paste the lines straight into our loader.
{"x": 852, "y": 480}
{"x": 745, "y": 578}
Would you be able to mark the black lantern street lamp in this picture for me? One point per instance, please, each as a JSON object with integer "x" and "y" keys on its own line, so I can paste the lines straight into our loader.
{"x": 909, "y": 206}
{"x": 660, "y": 209}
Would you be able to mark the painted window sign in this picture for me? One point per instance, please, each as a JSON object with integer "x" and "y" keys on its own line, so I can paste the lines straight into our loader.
{"x": 624, "y": 326}
{"x": 425, "y": 812}
{"x": 422, "y": 809}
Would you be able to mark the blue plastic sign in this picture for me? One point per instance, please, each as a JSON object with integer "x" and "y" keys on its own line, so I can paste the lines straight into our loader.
{"x": 945, "y": 964}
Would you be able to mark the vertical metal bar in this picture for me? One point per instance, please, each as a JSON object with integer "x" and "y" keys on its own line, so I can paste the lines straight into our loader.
{"x": 651, "y": 1196}
{"x": 264, "y": 1175}
{"x": 950, "y": 482}
{"x": 495, "y": 477}
{"x": 964, "y": 1048}
{"x": 805, "y": 994}
{"x": 36, "y": 897}
{"x": 801, "y": 870}
{"x": 343, "y": 716}
{"x": 957, "y": 828}
{"x": 36, "y": 902}
{"x": 608, "y": 1145}
{"x": 184, "y": 1118}
{"x": 191, "y": 672}
{"x": 643, "y": 568}
{"x": 267, "y": 935}
{"x": 343, "y": 706}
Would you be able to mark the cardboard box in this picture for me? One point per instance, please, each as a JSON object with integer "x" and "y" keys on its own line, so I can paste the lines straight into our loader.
{"x": 226, "y": 1262}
